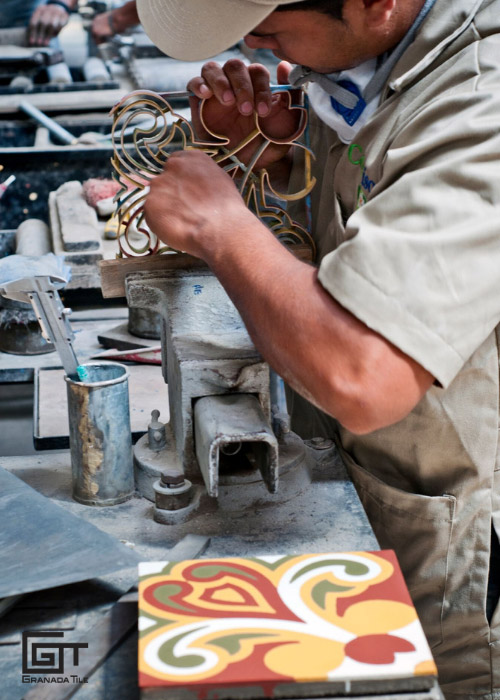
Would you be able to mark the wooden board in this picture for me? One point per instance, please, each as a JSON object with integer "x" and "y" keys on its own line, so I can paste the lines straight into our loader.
{"x": 241, "y": 627}
{"x": 114, "y": 272}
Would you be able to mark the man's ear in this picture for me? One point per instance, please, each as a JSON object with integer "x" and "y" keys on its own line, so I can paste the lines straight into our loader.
{"x": 378, "y": 12}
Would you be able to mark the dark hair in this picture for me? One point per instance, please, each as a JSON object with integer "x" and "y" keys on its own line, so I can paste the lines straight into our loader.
{"x": 327, "y": 7}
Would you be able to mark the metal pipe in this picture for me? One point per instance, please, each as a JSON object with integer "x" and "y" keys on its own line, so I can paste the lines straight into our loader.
{"x": 54, "y": 128}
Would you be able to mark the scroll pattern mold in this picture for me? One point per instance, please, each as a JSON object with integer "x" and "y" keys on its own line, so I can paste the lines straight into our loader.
{"x": 165, "y": 131}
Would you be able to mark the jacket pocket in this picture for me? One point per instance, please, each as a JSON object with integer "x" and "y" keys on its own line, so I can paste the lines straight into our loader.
{"x": 419, "y": 529}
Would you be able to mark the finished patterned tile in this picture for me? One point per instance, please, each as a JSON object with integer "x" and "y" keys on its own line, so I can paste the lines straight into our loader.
{"x": 279, "y": 627}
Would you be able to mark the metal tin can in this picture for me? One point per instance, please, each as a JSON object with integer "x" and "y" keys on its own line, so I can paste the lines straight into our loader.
{"x": 100, "y": 435}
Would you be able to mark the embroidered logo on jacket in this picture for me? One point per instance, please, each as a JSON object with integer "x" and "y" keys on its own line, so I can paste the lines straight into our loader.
{"x": 357, "y": 157}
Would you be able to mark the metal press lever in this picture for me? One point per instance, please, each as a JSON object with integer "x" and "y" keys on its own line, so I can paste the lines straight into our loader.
{"x": 42, "y": 293}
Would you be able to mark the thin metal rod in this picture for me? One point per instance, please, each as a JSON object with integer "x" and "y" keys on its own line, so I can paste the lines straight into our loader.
{"x": 46, "y": 121}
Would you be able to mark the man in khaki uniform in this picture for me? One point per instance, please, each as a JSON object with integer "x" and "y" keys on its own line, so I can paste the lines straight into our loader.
{"x": 395, "y": 337}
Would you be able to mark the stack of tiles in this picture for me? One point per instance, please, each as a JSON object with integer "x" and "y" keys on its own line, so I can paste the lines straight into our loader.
{"x": 279, "y": 627}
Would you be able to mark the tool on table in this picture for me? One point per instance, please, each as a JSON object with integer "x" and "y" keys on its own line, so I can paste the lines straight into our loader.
{"x": 5, "y": 184}
{"x": 56, "y": 129}
{"x": 150, "y": 355}
{"x": 42, "y": 293}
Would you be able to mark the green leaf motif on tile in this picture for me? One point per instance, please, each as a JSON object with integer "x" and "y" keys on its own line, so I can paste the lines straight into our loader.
{"x": 231, "y": 642}
{"x": 166, "y": 592}
{"x": 211, "y": 570}
{"x": 168, "y": 568}
{"x": 159, "y": 622}
{"x": 352, "y": 568}
{"x": 167, "y": 655}
{"x": 272, "y": 565}
{"x": 164, "y": 572}
{"x": 321, "y": 589}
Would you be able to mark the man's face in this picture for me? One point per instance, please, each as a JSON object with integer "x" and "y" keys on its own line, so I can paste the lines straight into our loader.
{"x": 314, "y": 39}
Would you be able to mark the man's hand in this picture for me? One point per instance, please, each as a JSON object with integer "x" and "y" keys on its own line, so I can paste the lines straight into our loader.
{"x": 46, "y": 22}
{"x": 106, "y": 24}
{"x": 193, "y": 206}
{"x": 234, "y": 93}
{"x": 102, "y": 28}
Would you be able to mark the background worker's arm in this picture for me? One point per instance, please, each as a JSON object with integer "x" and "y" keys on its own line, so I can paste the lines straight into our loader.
{"x": 318, "y": 347}
{"x": 47, "y": 21}
{"x": 106, "y": 24}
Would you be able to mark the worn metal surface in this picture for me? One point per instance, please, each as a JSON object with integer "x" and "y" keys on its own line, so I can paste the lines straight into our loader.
{"x": 157, "y": 435}
{"x": 172, "y": 496}
{"x": 42, "y": 545}
{"x": 233, "y": 435}
{"x": 207, "y": 350}
{"x": 51, "y": 424}
{"x": 100, "y": 436}
{"x": 144, "y": 323}
{"x": 22, "y": 337}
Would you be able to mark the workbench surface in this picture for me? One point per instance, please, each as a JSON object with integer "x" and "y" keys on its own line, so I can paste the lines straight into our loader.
{"x": 327, "y": 516}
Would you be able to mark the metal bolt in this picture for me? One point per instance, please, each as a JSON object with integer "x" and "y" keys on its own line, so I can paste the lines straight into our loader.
{"x": 319, "y": 443}
{"x": 169, "y": 496}
{"x": 157, "y": 437}
{"x": 172, "y": 478}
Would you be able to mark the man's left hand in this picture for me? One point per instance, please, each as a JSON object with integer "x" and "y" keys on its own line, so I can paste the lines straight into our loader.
{"x": 193, "y": 206}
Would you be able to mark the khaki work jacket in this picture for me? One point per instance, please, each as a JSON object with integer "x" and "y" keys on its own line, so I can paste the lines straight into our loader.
{"x": 407, "y": 223}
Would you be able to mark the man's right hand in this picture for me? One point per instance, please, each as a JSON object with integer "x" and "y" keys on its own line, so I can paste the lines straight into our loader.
{"x": 234, "y": 93}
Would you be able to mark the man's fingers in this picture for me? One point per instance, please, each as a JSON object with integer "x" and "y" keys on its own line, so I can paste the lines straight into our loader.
{"x": 217, "y": 81}
{"x": 200, "y": 88}
{"x": 283, "y": 72}
{"x": 241, "y": 86}
{"x": 46, "y": 22}
{"x": 262, "y": 94}
{"x": 235, "y": 83}
{"x": 231, "y": 84}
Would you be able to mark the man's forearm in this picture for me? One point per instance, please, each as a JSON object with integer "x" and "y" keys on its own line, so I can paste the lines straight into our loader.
{"x": 318, "y": 347}
{"x": 321, "y": 349}
{"x": 124, "y": 16}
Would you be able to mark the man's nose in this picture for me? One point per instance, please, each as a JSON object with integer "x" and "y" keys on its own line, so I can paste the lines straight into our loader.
{"x": 260, "y": 42}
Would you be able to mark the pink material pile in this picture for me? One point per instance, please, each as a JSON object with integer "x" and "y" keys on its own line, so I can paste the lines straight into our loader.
{"x": 96, "y": 189}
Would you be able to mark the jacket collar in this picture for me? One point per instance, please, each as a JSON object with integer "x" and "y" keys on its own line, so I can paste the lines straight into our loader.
{"x": 446, "y": 21}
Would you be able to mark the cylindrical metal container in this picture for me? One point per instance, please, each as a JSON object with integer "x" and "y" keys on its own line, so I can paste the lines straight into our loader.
{"x": 100, "y": 436}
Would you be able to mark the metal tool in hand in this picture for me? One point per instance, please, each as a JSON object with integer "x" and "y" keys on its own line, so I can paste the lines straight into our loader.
{"x": 42, "y": 293}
